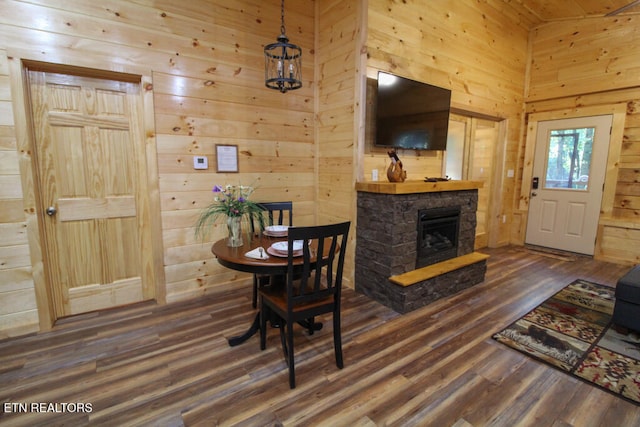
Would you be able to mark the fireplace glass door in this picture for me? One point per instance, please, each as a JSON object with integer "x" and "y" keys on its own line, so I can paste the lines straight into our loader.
{"x": 437, "y": 235}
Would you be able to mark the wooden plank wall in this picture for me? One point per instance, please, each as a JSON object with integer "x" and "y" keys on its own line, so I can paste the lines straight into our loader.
{"x": 338, "y": 55}
{"x": 476, "y": 49}
{"x": 596, "y": 62}
{"x": 207, "y": 65}
{"x": 18, "y": 309}
{"x": 273, "y": 132}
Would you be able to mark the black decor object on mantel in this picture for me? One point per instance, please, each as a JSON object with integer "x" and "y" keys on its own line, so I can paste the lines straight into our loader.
{"x": 283, "y": 62}
{"x": 436, "y": 179}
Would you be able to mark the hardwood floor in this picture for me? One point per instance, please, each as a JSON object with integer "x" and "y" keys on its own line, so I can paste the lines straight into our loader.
{"x": 436, "y": 366}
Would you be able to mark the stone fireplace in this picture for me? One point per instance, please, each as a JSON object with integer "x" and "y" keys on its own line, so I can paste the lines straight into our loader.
{"x": 405, "y": 230}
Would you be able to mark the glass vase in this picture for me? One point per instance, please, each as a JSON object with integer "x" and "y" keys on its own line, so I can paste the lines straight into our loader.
{"x": 234, "y": 227}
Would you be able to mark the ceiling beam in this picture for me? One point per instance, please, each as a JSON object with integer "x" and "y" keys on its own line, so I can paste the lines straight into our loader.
{"x": 623, "y": 8}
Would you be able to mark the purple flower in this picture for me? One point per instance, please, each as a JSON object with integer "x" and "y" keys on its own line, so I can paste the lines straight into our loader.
{"x": 217, "y": 189}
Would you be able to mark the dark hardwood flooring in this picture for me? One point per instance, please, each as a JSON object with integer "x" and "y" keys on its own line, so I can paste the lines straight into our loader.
{"x": 437, "y": 366}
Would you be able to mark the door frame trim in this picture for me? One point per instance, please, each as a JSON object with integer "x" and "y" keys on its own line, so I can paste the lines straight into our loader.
{"x": 18, "y": 72}
{"x": 618, "y": 111}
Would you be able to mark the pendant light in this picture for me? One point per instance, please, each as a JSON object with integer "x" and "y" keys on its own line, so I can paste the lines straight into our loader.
{"x": 282, "y": 62}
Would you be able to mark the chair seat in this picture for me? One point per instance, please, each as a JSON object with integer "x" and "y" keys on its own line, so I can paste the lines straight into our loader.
{"x": 279, "y": 299}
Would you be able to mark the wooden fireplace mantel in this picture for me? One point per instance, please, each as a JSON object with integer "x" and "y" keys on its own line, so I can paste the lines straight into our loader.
{"x": 411, "y": 187}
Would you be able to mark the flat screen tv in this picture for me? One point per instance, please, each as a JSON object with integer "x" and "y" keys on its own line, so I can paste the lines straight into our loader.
{"x": 410, "y": 114}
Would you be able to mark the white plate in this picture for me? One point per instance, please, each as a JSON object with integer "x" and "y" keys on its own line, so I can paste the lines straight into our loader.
{"x": 276, "y": 228}
{"x": 272, "y": 234}
{"x": 279, "y": 254}
{"x": 284, "y": 246}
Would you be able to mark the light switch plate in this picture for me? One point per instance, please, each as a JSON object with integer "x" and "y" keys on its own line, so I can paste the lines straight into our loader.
{"x": 200, "y": 162}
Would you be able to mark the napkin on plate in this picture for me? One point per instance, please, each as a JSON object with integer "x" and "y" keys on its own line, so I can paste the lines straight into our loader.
{"x": 256, "y": 254}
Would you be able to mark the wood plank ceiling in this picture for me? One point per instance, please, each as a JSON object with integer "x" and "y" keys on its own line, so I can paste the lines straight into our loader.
{"x": 552, "y": 10}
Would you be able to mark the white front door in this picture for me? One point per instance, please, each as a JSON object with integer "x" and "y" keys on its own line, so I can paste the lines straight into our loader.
{"x": 568, "y": 179}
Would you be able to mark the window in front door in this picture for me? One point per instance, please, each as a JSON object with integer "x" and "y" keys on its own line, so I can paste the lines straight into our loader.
{"x": 569, "y": 158}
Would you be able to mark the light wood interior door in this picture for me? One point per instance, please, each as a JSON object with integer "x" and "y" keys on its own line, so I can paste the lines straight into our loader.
{"x": 470, "y": 155}
{"x": 91, "y": 169}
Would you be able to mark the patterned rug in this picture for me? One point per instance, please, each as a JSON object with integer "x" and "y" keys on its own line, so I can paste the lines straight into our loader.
{"x": 572, "y": 331}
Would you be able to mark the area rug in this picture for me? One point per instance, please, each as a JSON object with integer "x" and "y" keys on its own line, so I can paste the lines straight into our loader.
{"x": 572, "y": 331}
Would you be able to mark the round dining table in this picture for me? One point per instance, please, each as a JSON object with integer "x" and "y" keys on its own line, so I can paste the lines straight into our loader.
{"x": 274, "y": 266}
{"x": 235, "y": 258}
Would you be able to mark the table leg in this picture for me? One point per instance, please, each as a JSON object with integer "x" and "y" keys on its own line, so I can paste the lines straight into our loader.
{"x": 255, "y": 327}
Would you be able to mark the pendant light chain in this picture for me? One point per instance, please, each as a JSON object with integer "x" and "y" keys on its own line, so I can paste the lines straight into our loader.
{"x": 282, "y": 29}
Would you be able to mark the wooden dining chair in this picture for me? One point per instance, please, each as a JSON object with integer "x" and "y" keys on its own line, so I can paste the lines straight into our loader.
{"x": 276, "y": 214}
{"x": 311, "y": 289}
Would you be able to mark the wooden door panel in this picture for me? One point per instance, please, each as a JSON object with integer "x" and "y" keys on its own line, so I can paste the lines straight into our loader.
{"x": 59, "y": 118}
{"x": 99, "y": 297}
{"x": 104, "y": 248}
{"x": 118, "y": 163}
{"x": 79, "y": 256}
{"x": 121, "y": 248}
{"x": 73, "y": 209}
{"x": 70, "y": 181}
{"x": 62, "y": 96}
{"x": 113, "y": 103}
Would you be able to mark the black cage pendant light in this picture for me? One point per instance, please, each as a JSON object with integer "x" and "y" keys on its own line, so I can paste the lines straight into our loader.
{"x": 282, "y": 62}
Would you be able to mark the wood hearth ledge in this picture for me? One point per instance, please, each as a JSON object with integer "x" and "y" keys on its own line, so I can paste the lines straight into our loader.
{"x": 430, "y": 271}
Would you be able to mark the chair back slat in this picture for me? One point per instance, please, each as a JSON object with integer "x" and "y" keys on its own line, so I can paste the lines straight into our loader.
{"x": 321, "y": 273}
{"x": 276, "y": 212}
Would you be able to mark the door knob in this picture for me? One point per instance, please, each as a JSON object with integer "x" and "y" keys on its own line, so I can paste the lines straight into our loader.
{"x": 534, "y": 194}
{"x": 51, "y": 210}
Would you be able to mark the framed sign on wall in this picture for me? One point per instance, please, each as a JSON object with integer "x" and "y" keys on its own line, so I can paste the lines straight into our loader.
{"x": 226, "y": 158}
